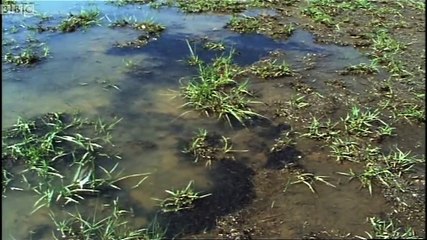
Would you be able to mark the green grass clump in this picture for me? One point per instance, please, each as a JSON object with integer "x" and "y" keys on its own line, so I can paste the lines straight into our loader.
{"x": 321, "y": 11}
{"x": 386, "y": 51}
{"x": 362, "y": 68}
{"x": 222, "y": 6}
{"x": 269, "y": 68}
{"x": 268, "y": 25}
{"x": 382, "y": 229}
{"x": 112, "y": 225}
{"x": 181, "y": 199}
{"x": 387, "y": 170}
{"x": 245, "y": 24}
{"x": 85, "y": 19}
{"x": 149, "y": 27}
{"x": 411, "y": 111}
{"x": 364, "y": 123}
{"x": 216, "y": 92}
{"x": 321, "y": 130}
{"x": 26, "y": 57}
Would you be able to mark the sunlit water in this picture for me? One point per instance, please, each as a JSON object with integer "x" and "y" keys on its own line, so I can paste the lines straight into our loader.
{"x": 86, "y": 73}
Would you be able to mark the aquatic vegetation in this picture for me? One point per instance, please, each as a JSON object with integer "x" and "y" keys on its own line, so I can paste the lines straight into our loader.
{"x": 8, "y": 42}
{"x": 218, "y": 46}
{"x": 284, "y": 141}
{"x": 382, "y": 229}
{"x": 361, "y": 68}
{"x": 164, "y": 3}
{"x": 383, "y": 42}
{"x": 199, "y": 6}
{"x": 57, "y": 161}
{"x": 215, "y": 91}
{"x": 27, "y": 56}
{"x": 400, "y": 162}
{"x": 43, "y": 16}
{"x": 209, "y": 148}
{"x": 85, "y": 19}
{"x": 357, "y": 4}
{"x": 360, "y": 122}
{"x": 149, "y": 27}
{"x": 321, "y": 11}
{"x": 129, "y": 63}
{"x": 324, "y": 11}
{"x": 121, "y": 23}
{"x": 269, "y": 68}
{"x": 357, "y": 137}
{"x": 385, "y": 50}
{"x": 129, "y": 2}
{"x": 412, "y": 112}
{"x": 262, "y": 24}
{"x": 298, "y": 102}
{"x": 114, "y": 225}
{"x": 309, "y": 179}
{"x": 181, "y": 199}
{"x": 345, "y": 149}
{"x": 322, "y": 130}
{"x": 193, "y": 59}
{"x": 385, "y": 169}
{"x": 151, "y": 30}
{"x": 6, "y": 179}
{"x": 244, "y": 24}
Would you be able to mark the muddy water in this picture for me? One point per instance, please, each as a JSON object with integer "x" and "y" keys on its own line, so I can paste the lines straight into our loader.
{"x": 87, "y": 74}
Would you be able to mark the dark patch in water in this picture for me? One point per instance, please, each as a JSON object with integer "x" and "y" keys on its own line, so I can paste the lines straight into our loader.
{"x": 172, "y": 47}
{"x": 272, "y": 132}
{"x": 233, "y": 189}
{"x": 287, "y": 157}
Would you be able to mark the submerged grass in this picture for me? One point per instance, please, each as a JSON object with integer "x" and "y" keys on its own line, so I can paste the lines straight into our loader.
{"x": 309, "y": 179}
{"x": 210, "y": 148}
{"x": 114, "y": 225}
{"x": 58, "y": 161}
{"x": 215, "y": 91}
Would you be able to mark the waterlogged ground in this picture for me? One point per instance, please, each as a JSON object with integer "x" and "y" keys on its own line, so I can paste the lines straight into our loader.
{"x": 252, "y": 196}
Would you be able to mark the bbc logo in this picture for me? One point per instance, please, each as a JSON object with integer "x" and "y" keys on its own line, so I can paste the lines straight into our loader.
{"x": 18, "y": 8}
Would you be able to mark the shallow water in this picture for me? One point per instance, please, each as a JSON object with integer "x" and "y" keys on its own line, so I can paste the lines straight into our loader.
{"x": 83, "y": 67}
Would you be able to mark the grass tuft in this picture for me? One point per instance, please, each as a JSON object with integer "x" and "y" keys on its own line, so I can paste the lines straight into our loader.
{"x": 215, "y": 91}
{"x": 85, "y": 19}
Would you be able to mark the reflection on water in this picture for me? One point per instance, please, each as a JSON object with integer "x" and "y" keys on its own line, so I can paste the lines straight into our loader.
{"x": 85, "y": 73}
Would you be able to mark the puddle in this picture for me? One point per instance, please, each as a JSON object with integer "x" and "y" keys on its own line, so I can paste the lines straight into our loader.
{"x": 86, "y": 73}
